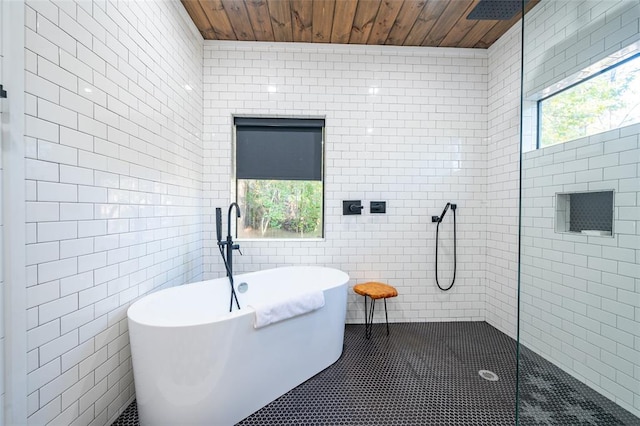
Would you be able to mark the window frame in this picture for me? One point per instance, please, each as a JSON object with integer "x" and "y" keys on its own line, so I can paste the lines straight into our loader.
{"x": 234, "y": 185}
{"x": 572, "y": 85}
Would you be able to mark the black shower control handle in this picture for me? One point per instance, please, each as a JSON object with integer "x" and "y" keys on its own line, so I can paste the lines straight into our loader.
{"x": 378, "y": 207}
{"x": 351, "y": 207}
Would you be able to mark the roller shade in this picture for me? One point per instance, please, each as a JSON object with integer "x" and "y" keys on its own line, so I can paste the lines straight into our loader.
{"x": 278, "y": 149}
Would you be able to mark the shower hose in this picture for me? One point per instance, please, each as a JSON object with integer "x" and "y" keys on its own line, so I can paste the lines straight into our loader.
{"x": 230, "y": 275}
{"x": 453, "y": 208}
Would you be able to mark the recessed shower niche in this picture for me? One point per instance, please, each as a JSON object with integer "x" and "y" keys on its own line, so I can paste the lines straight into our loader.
{"x": 589, "y": 213}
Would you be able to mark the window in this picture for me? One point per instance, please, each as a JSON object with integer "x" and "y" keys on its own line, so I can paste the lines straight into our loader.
{"x": 605, "y": 101}
{"x": 279, "y": 177}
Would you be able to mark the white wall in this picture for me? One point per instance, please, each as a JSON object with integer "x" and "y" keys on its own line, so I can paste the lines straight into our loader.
{"x": 580, "y": 295}
{"x": 502, "y": 182}
{"x": 2, "y": 287}
{"x": 403, "y": 125}
{"x": 13, "y": 211}
{"x": 114, "y": 189}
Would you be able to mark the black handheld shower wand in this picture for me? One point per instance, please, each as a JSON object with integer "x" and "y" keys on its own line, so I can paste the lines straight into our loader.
{"x": 219, "y": 224}
{"x": 438, "y": 220}
{"x": 444, "y": 212}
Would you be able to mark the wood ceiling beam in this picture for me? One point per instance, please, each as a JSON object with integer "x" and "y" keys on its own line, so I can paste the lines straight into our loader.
{"x": 460, "y": 29}
{"x": 363, "y": 21}
{"x": 425, "y": 22}
{"x": 199, "y": 18}
{"x": 302, "y": 20}
{"x": 323, "y": 20}
{"x": 375, "y": 22}
{"x": 343, "y": 16}
{"x": 407, "y": 17}
{"x": 446, "y": 21}
{"x": 385, "y": 18}
{"x": 476, "y": 33}
{"x": 502, "y": 26}
{"x": 280, "y": 13}
{"x": 258, "y": 11}
{"x": 239, "y": 18}
{"x": 214, "y": 9}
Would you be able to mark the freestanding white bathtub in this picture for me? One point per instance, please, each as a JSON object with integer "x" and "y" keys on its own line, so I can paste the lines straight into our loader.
{"x": 194, "y": 363}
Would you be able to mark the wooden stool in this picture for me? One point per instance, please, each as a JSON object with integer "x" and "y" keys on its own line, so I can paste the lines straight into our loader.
{"x": 375, "y": 291}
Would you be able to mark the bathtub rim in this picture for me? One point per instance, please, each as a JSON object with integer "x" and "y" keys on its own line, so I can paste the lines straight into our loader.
{"x": 136, "y": 312}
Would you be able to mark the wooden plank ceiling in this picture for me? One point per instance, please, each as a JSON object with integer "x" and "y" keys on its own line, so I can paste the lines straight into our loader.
{"x": 440, "y": 23}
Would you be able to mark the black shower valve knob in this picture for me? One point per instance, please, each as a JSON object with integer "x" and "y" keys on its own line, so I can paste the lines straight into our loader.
{"x": 351, "y": 207}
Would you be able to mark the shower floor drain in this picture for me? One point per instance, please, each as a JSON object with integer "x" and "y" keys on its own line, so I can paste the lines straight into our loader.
{"x": 488, "y": 375}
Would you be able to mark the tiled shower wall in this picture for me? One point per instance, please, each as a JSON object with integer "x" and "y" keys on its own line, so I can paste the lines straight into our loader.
{"x": 581, "y": 294}
{"x": 2, "y": 287}
{"x": 114, "y": 189}
{"x": 580, "y": 305}
{"x": 403, "y": 125}
{"x": 502, "y": 182}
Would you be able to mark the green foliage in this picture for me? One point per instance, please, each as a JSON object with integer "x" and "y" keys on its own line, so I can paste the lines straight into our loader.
{"x": 605, "y": 102}
{"x": 289, "y": 206}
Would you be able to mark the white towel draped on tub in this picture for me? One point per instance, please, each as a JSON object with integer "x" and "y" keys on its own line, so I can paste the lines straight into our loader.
{"x": 287, "y": 307}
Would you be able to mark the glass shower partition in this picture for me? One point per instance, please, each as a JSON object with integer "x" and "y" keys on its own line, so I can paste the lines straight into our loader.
{"x": 579, "y": 267}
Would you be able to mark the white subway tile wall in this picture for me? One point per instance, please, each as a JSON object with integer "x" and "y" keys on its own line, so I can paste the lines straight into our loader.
{"x": 580, "y": 303}
{"x": 503, "y": 153}
{"x": 403, "y": 125}
{"x": 602, "y": 27}
{"x": 122, "y": 186}
{"x": 581, "y": 294}
{"x": 2, "y": 287}
{"x": 114, "y": 190}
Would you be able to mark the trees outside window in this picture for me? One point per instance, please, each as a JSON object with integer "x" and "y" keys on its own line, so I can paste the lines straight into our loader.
{"x": 280, "y": 208}
{"x": 606, "y": 101}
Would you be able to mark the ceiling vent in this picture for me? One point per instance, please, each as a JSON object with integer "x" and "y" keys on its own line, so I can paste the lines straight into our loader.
{"x": 496, "y": 10}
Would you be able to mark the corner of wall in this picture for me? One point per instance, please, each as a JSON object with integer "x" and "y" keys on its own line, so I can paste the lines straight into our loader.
{"x": 114, "y": 189}
{"x": 503, "y": 181}
{"x": 13, "y": 214}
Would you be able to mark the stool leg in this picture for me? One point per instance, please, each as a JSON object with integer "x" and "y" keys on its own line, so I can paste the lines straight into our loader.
{"x": 366, "y": 319}
{"x": 369, "y": 321}
{"x": 385, "y": 315}
{"x": 373, "y": 308}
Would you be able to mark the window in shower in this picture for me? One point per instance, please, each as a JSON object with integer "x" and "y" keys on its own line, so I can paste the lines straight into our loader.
{"x": 604, "y": 101}
{"x": 279, "y": 177}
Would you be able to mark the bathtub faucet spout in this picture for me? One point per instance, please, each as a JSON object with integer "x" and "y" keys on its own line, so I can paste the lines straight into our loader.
{"x": 229, "y": 243}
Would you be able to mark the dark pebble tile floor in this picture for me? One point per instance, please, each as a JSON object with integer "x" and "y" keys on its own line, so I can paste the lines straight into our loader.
{"x": 427, "y": 374}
